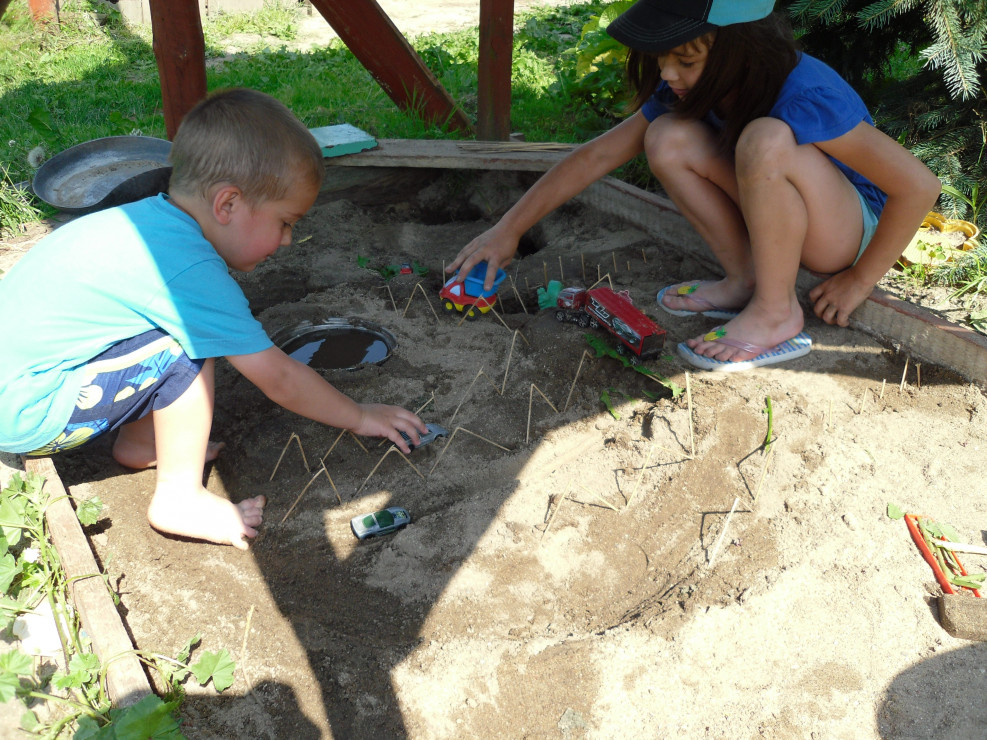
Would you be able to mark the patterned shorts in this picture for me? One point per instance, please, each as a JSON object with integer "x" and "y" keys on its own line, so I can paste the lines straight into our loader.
{"x": 123, "y": 384}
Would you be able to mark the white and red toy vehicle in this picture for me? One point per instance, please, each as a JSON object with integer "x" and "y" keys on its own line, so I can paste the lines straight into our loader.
{"x": 636, "y": 334}
{"x": 467, "y": 295}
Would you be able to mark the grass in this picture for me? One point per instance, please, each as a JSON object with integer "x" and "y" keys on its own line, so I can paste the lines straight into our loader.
{"x": 95, "y": 77}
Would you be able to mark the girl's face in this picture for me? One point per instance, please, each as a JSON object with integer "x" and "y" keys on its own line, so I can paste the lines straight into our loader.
{"x": 682, "y": 66}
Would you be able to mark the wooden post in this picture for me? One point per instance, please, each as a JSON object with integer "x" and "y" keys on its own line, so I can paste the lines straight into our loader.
{"x": 386, "y": 54}
{"x": 42, "y": 11}
{"x": 494, "y": 74}
{"x": 181, "y": 55}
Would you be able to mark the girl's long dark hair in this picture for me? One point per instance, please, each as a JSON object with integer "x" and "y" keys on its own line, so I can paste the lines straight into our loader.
{"x": 746, "y": 67}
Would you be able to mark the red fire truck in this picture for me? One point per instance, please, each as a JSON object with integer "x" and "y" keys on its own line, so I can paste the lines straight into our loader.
{"x": 637, "y": 335}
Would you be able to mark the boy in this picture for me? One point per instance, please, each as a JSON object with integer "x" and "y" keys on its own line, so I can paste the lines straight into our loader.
{"x": 120, "y": 315}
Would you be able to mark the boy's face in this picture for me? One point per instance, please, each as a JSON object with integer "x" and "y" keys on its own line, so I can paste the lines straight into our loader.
{"x": 255, "y": 232}
{"x": 682, "y": 66}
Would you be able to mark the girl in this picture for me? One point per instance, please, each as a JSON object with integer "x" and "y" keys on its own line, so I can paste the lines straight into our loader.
{"x": 768, "y": 153}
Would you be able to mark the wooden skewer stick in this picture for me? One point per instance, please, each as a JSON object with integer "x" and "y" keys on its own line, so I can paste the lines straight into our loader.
{"x": 605, "y": 277}
{"x": 599, "y": 496}
{"x": 561, "y": 272}
{"x": 573, "y": 386}
{"x": 531, "y": 396}
{"x": 688, "y": 398}
{"x": 501, "y": 320}
{"x": 478, "y": 374}
{"x": 507, "y": 367}
{"x": 582, "y": 260}
{"x": 723, "y": 531}
{"x": 339, "y": 437}
{"x": 918, "y": 374}
{"x": 307, "y": 486}
{"x": 557, "y": 507}
{"x": 516, "y": 294}
{"x": 392, "y": 448}
{"x": 285, "y": 449}
{"x": 418, "y": 286}
{"x": 614, "y": 255}
{"x": 863, "y": 401}
{"x": 544, "y": 267}
{"x": 647, "y": 461}
{"x": 644, "y": 256}
{"x": 903, "y": 374}
{"x": 391, "y": 294}
{"x": 884, "y": 382}
{"x": 453, "y": 435}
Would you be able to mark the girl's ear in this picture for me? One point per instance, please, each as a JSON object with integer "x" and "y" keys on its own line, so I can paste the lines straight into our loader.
{"x": 225, "y": 202}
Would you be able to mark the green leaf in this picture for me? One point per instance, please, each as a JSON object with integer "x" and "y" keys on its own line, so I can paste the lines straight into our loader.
{"x": 9, "y": 570}
{"x": 29, "y": 721}
{"x": 16, "y": 663}
{"x": 9, "y": 686}
{"x": 605, "y": 397}
{"x": 13, "y": 518}
{"x": 89, "y": 511}
{"x": 972, "y": 580}
{"x": 894, "y": 512}
{"x": 363, "y": 262}
{"x": 216, "y": 666}
{"x": 950, "y": 534}
{"x": 148, "y": 718}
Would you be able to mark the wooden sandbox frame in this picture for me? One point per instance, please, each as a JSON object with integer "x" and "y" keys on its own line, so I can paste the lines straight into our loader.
{"x": 927, "y": 337}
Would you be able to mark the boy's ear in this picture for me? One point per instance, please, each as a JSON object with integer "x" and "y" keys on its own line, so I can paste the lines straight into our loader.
{"x": 225, "y": 202}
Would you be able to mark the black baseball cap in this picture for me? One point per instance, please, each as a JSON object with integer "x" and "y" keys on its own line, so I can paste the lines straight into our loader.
{"x": 660, "y": 25}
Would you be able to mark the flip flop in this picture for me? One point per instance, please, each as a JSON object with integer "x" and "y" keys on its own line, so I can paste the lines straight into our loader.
{"x": 797, "y": 346}
{"x": 687, "y": 289}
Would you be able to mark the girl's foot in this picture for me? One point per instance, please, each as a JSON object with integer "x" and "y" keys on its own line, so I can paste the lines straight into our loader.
{"x": 202, "y": 515}
{"x": 719, "y": 300}
{"x": 754, "y": 326}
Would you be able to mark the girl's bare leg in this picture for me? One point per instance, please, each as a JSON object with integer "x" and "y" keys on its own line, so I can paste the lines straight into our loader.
{"x": 181, "y": 505}
{"x": 798, "y": 208}
{"x": 703, "y": 184}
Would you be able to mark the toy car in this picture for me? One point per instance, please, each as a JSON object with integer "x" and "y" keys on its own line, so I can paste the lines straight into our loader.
{"x": 467, "y": 295}
{"x": 380, "y": 522}
{"x": 434, "y": 432}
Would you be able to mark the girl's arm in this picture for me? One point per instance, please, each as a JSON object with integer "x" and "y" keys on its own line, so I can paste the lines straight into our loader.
{"x": 301, "y": 389}
{"x": 580, "y": 168}
{"x": 912, "y": 190}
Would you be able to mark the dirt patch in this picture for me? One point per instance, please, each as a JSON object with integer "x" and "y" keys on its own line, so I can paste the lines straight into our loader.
{"x": 556, "y": 580}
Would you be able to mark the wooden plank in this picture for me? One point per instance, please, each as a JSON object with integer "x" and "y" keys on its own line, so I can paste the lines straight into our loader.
{"x": 494, "y": 70}
{"x": 126, "y": 681}
{"x": 368, "y": 32}
{"x": 925, "y": 336}
{"x": 181, "y": 55}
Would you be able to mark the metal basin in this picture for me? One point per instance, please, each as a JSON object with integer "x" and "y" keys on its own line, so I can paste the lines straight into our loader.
{"x": 104, "y": 172}
{"x": 336, "y": 344}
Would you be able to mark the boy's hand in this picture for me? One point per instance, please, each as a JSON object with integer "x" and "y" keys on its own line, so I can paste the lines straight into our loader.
{"x": 380, "y": 420}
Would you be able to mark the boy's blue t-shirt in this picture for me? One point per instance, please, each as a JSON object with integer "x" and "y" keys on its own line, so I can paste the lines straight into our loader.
{"x": 816, "y": 103}
{"x": 96, "y": 281}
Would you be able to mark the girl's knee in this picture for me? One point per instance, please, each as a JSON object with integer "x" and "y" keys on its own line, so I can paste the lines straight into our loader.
{"x": 765, "y": 144}
{"x": 671, "y": 143}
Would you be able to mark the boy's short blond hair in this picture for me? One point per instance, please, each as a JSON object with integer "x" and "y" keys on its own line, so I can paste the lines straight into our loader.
{"x": 245, "y": 138}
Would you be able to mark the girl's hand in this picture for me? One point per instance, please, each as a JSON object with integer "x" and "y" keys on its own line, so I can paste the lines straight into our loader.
{"x": 380, "y": 420}
{"x": 833, "y": 300}
{"x": 493, "y": 246}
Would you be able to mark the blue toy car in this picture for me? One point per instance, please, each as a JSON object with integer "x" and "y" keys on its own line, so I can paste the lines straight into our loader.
{"x": 381, "y": 522}
{"x": 434, "y": 431}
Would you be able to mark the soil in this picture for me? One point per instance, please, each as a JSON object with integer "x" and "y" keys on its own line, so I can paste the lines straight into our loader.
{"x": 569, "y": 572}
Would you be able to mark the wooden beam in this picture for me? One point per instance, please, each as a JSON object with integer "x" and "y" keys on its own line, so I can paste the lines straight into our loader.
{"x": 126, "y": 681}
{"x": 181, "y": 55}
{"x": 386, "y": 54}
{"x": 42, "y": 11}
{"x": 494, "y": 83}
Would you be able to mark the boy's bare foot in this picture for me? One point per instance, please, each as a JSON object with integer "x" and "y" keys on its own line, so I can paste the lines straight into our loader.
{"x": 205, "y": 516}
{"x": 136, "y": 454}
